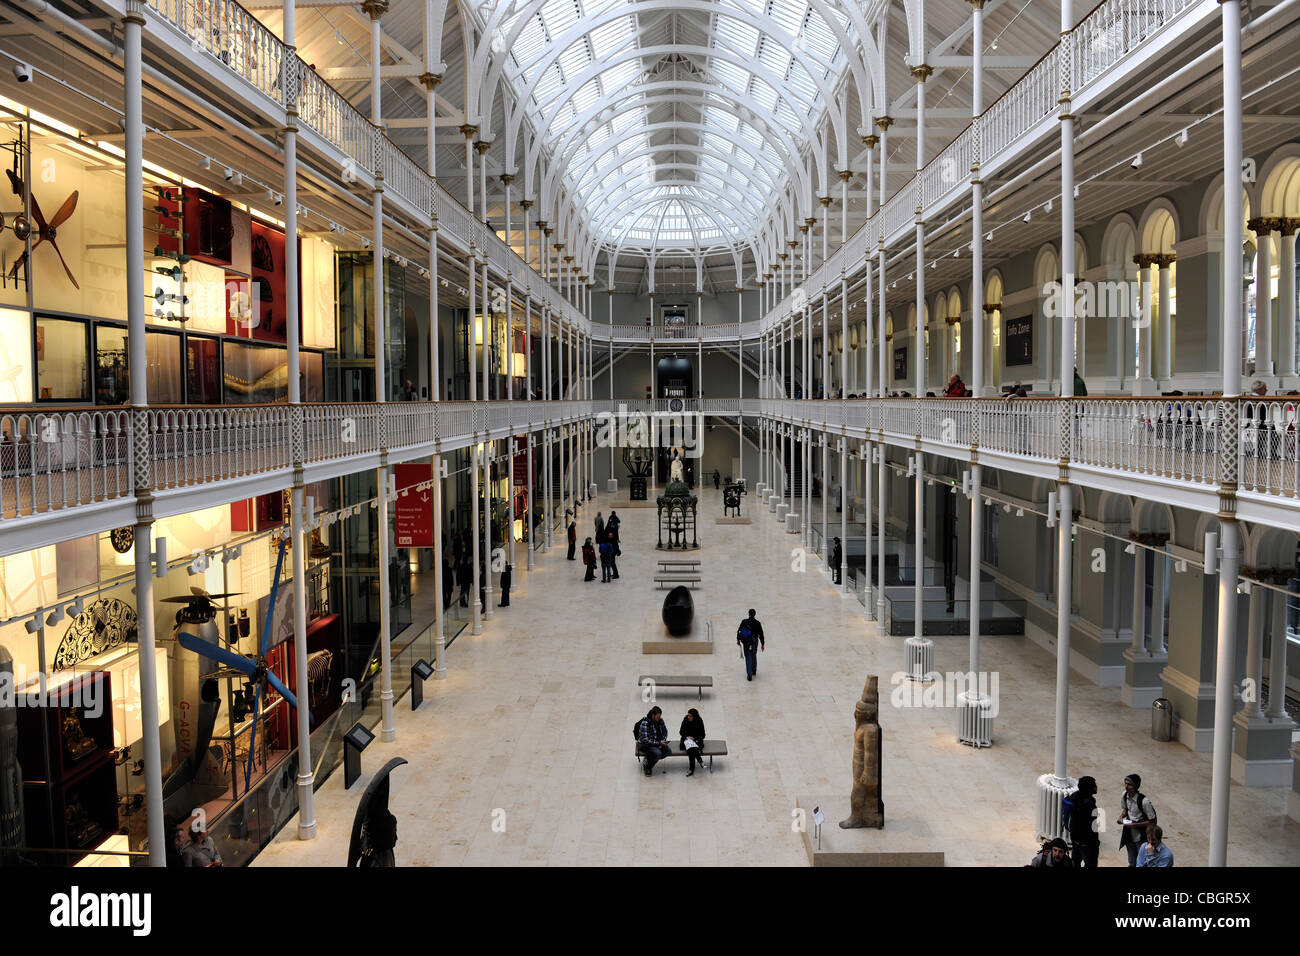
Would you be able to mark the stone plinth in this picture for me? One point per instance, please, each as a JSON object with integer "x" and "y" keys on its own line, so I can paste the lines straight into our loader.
{"x": 905, "y": 840}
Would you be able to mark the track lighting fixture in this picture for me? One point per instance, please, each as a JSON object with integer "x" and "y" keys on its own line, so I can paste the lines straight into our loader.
{"x": 1048, "y": 207}
{"x": 1026, "y": 217}
{"x": 1137, "y": 161}
{"x": 1181, "y": 138}
{"x": 989, "y": 237}
{"x": 205, "y": 162}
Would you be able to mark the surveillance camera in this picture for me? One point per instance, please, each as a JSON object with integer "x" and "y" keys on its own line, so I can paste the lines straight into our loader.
{"x": 22, "y": 72}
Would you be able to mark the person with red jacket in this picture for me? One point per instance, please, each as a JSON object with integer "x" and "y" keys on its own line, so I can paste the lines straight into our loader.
{"x": 956, "y": 388}
{"x": 589, "y": 559}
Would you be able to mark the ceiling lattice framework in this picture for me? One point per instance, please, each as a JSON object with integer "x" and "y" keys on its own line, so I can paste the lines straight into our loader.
{"x": 673, "y": 127}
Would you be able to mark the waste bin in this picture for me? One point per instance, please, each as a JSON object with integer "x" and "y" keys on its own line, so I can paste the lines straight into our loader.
{"x": 1162, "y": 719}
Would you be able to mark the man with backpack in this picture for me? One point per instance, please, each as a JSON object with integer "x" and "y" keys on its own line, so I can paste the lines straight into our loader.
{"x": 652, "y": 739}
{"x": 1053, "y": 855}
{"x": 1081, "y": 823}
{"x": 1138, "y": 814}
{"x": 750, "y": 638}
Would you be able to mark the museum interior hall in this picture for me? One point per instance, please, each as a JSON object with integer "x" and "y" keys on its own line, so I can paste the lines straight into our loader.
{"x": 348, "y": 350}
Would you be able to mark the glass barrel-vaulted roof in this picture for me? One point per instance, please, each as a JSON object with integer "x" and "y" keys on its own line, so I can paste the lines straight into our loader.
{"x": 673, "y": 125}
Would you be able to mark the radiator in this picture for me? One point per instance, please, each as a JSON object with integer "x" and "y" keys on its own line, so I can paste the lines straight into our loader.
{"x": 782, "y": 509}
{"x": 918, "y": 658}
{"x": 792, "y": 522}
{"x": 974, "y": 720}
{"x": 1052, "y": 791}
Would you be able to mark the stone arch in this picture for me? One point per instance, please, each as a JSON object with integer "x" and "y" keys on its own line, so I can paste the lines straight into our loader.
{"x": 1047, "y": 266}
{"x": 1153, "y": 517}
{"x": 1211, "y": 213}
{"x": 1119, "y": 243}
{"x": 1269, "y": 548}
{"x": 1279, "y": 189}
{"x": 1158, "y": 229}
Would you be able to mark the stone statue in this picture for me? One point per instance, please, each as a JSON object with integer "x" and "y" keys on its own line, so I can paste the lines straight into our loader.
{"x": 866, "y": 809}
{"x": 675, "y": 472}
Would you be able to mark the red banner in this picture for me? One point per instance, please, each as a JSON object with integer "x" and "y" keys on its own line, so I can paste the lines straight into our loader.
{"x": 415, "y": 508}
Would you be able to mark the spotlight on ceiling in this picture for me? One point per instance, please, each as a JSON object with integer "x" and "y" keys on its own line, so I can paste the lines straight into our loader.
{"x": 205, "y": 162}
{"x": 989, "y": 237}
{"x": 1026, "y": 218}
{"x": 1181, "y": 138}
{"x": 1137, "y": 161}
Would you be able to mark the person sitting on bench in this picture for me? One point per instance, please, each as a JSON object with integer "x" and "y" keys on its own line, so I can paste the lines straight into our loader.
{"x": 652, "y": 739}
{"x": 692, "y": 738}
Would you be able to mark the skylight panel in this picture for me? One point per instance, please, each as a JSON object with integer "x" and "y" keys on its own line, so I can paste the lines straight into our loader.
{"x": 611, "y": 37}
{"x": 723, "y": 121}
{"x": 585, "y": 97}
{"x": 773, "y": 56}
{"x": 788, "y": 13}
{"x": 730, "y": 74}
{"x": 619, "y": 75}
{"x": 763, "y": 94}
{"x": 737, "y": 34}
{"x": 559, "y": 16}
{"x": 575, "y": 59}
{"x": 530, "y": 42}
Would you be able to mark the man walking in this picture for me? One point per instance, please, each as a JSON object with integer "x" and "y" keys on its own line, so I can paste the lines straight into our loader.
{"x": 750, "y": 638}
{"x": 505, "y": 586}
{"x": 652, "y": 740}
{"x": 573, "y": 536}
{"x": 837, "y": 560}
{"x": 600, "y": 528}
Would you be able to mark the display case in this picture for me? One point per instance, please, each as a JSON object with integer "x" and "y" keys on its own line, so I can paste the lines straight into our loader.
{"x": 70, "y": 800}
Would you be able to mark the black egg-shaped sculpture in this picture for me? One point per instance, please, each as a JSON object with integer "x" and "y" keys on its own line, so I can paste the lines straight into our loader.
{"x": 679, "y": 610}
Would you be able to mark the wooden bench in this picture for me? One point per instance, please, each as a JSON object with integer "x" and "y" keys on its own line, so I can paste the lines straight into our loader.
{"x": 698, "y": 681}
{"x": 711, "y": 749}
{"x": 673, "y": 578}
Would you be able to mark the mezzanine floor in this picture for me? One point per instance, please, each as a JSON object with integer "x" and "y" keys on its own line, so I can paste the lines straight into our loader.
{"x": 535, "y": 718}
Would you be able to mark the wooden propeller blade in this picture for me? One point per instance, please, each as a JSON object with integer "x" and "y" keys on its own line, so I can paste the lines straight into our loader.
{"x": 67, "y": 209}
{"x": 71, "y": 277}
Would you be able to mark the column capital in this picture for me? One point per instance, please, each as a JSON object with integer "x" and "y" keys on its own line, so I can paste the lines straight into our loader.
{"x": 1264, "y": 224}
{"x": 846, "y": 174}
{"x": 1288, "y": 226}
{"x": 976, "y": 4}
{"x": 1164, "y": 260}
{"x": 482, "y": 146}
{"x": 375, "y": 8}
{"x": 1144, "y": 259}
{"x": 871, "y": 141}
{"x": 469, "y": 131}
{"x": 525, "y": 204}
{"x": 825, "y": 200}
{"x": 884, "y": 122}
{"x": 430, "y": 80}
{"x": 506, "y": 179}
{"x": 992, "y": 307}
{"x": 921, "y": 72}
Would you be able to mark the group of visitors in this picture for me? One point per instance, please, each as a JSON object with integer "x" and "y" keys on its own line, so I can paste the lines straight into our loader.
{"x": 605, "y": 548}
{"x": 458, "y": 572}
{"x": 1139, "y": 834}
{"x": 652, "y": 739}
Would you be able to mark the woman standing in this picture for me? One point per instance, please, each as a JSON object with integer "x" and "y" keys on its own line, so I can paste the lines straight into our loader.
{"x": 589, "y": 559}
{"x": 692, "y": 738}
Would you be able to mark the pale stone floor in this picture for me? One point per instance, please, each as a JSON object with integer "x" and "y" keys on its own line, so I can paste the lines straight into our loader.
{"x": 532, "y": 729}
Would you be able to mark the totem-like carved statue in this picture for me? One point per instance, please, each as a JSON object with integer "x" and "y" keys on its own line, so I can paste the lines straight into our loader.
{"x": 866, "y": 809}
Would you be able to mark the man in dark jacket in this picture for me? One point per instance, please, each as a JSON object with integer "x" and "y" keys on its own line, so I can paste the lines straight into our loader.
{"x": 1085, "y": 840}
{"x": 448, "y": 581}
{"x": 750, "y": 638}
{"x": 1054, "y": 855}
{"x": 652, "y": 740}
{"x": 837, "y": 559}
{"x": 573, "y": 538}
{"x": 464, "y": 580}
{"x": 606, "y": 560}
{"x": 505, "y": 586}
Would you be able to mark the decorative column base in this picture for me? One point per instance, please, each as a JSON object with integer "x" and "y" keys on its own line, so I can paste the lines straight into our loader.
{"x": 1052, "y": 791}
{"x": 1261, "y": 750}
{"x": 918, "y": 659}
{"x": 1142, "y": 671}
{"x": 974, "y": 719}
{"x": 772, "y": 501}
{"x": 760, "y": 490}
